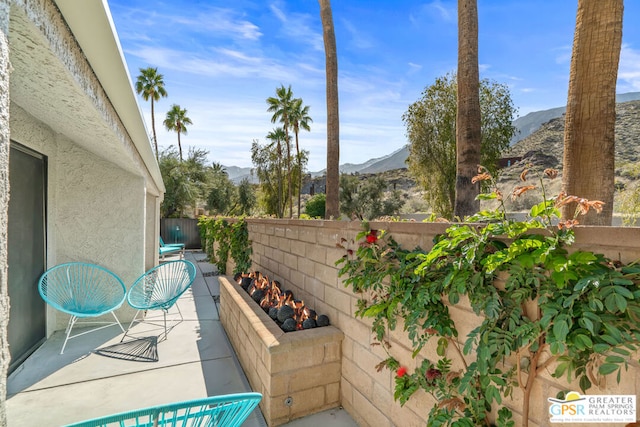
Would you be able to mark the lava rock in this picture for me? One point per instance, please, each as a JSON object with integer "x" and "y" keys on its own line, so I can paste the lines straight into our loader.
{"x": 258, "y": 295}
{"x": 309, "y": 324}
{"x": 323, "y": 320}
{"x": 273, "y": 313}
{"x": 246, "y": 281}
{"x": 289, "y": 325}
{"x": 285, "y": 313}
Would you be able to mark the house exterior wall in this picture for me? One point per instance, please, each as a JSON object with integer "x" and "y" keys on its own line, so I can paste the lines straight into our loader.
{"x": 103, "y": 192}
{"x": 95, "y": 210}
{"x": 302, "y": 255}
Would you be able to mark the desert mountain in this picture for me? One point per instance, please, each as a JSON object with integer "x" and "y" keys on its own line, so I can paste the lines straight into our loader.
{"x": 531, "y": 122}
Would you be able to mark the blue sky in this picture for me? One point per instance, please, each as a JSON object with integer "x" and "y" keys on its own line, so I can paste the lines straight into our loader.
{"x": 222, "y": 59}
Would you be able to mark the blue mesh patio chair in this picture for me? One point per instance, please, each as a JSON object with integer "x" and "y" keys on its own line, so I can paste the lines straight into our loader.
{"x": 218, "y": 411}
{"x": 159, "y": 289}
{"x": 84, "y": 291}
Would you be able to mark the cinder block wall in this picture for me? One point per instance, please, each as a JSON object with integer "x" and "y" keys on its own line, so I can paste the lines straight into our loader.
{"x": 298, "y": 373}
{"x": 302, "y": 256}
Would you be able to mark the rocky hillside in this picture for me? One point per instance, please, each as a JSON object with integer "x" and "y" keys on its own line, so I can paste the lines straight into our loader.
{"x": 544, "y": 148}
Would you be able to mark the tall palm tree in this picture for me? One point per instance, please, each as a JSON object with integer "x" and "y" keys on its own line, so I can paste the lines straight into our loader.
{"x": 281, "y": 106}
{"x": 299, "y": 120}
{"x": 468, "y": 120}
{"x": 277, "y": 136}
{"x": 588, "y": 166}
{"x": 177, "y": 121}
{"x": 333, "y": 121}
{"x": 150, "y": 85}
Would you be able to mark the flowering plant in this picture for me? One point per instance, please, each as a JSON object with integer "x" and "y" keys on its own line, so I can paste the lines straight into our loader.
{"x": 575, "y": 312}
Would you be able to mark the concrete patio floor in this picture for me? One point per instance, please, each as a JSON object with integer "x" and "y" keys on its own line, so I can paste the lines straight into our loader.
{"x": 97, "y": 375}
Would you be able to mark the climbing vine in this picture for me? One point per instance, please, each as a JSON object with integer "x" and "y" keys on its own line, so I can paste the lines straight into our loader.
{"x": 539, "y": 306}
{"x": 221, "y": 238}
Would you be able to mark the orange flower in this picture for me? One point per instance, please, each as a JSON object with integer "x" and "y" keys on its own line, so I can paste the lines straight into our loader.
{"x": 596, "y": 205}
{"x": 567, "y": 224}
{"x": 481, "y": 177}
{"x": 583, "y": 205}
{"x": 523, "y": 175}
{"x": 520, "y": 190}
{"x": 563, "y": 199}
{"x": 551, "y": 173}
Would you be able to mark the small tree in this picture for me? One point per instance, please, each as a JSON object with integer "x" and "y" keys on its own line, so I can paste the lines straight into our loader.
{"x": 246, "y": 198}
{"x": 269, "y": 170}
{"x": 222, "y": 192}
{"x": 315, "y": 206}
{"x": 366, "y": 199}
{"x": 184, "y": 181}
{"x": 431, "y": 130}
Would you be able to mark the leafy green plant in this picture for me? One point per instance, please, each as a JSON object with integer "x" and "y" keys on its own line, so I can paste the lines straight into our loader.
{"x": 538, "y": 304}
{"x": 231, "y": 238}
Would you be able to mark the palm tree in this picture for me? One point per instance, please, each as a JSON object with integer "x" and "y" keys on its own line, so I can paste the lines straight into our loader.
{"x": 150, "y": 85}
{"x": 277, "y": 136}
{"x": 333, "y": 120}
{"x": 177, "y": 121}
{"x": 281, "y": 106}
{"x": 588, "y": 166}
{"x": 299, "y": 118}
{"x": 468, "y": 120}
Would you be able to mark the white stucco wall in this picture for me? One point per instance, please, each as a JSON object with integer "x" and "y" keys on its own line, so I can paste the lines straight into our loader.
{"x": 95, "y": 210}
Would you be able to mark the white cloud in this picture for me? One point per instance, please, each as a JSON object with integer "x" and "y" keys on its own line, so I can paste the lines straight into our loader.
{"x": 358, "y": 39}
{"x": 414, "y": 68}
{"x": 298, "y": 26}
{"x": 447, "y": 13}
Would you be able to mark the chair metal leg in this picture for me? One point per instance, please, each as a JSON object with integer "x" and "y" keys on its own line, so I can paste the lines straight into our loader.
{"x": 164, "y": 312}
{"x": 130, "y": 325}
{"x": 72, "y": 321}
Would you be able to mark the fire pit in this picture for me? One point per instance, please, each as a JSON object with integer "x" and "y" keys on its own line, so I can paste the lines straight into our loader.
{"x": 290, "y": 314}
{"x": 297, "y": 373}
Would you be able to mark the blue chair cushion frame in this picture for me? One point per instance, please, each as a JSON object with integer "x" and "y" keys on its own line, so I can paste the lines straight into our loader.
{"x": 227, "y": 410}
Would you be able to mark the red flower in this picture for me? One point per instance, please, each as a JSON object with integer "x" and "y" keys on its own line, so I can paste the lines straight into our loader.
{"x": 372, "y": 236}
{"x": 401, "y": 372}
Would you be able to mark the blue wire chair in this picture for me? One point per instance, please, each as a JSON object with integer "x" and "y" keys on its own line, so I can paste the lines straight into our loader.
{"x": 218, "y": 411}
{"x": 84, "y": 291}
{"x": 159, "y": 289}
